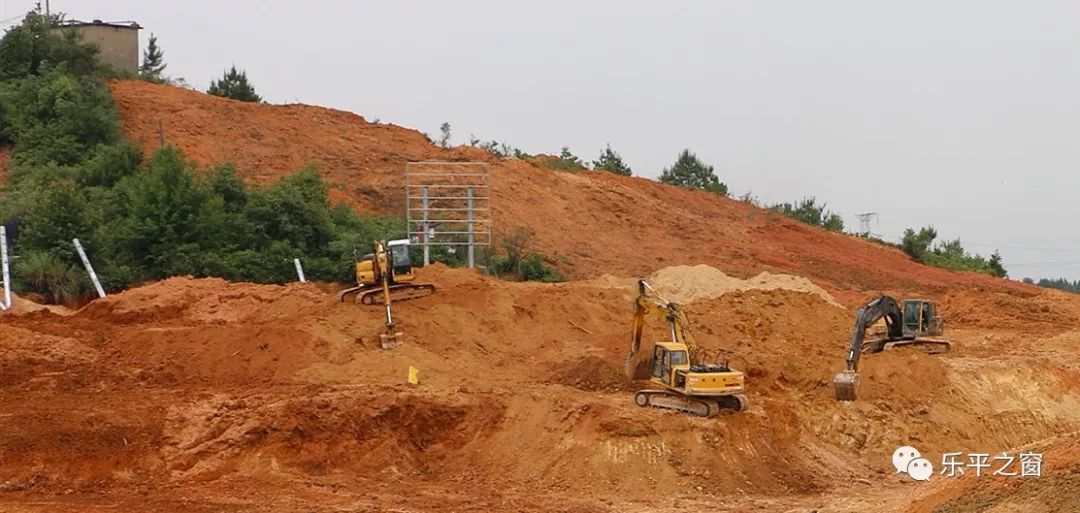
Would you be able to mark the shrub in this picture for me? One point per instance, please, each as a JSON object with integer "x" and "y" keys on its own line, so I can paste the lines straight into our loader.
{"x": 948, "y": 254}
{"x": 567, "y": 161}
{"x": 810, "y": 212}
{"x": 691, "y": 173}
{"x": 44, "y": 272}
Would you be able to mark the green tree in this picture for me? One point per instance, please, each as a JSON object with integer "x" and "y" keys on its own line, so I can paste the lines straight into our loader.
{"x": 153, "y": 64}
{"x": 109, "y": 165}
{"x": 295, "y": 210}
{"x": 59, "y": 216}
{"x": 57, "y": 117}
{"x": 168, "y": 217}
{"x": 444, "y": 140}
{"x": 916, "y": 244}
{"x": 609, "y": 160}
{"x": 234, "y": 84}
{"x": 997, "y": 268}
{"x": 810, "y": 212}
{"x": 691, "y": 173}
{"x": 31, "y": 49}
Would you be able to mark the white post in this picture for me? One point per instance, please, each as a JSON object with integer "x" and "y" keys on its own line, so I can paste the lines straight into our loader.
{"x": 472, "y": 253}
{"x": 427, "y": 231}
{"x": 7, "y": 273}
{"x": 89, "y": 268}
{"x": 299, "y": 270}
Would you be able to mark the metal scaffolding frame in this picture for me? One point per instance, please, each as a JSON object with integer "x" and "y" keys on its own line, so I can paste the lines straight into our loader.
{"x": 448, "y": 204}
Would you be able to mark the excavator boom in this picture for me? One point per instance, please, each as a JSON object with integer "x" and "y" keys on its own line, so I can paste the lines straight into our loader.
{"x": 846, "y": 383}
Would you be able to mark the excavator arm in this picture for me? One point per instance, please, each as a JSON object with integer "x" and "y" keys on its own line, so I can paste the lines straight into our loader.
{"x": 392, "y": 338}
{"x": 883, "y": 306}
{"x": 649, "y": 301}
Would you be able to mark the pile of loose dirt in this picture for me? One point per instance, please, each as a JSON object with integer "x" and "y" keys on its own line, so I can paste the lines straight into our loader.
{"x": 210, "y": 300}
{"x": 591, "y": 373}
{"x": 685, "y": 284}
{"x": 21, "y": 305}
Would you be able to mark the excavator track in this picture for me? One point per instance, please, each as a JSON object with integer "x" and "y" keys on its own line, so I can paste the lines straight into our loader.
{"x": 926, "y": 345}
{"x": 398, "y": 292}
{"x": 705, "y": 407}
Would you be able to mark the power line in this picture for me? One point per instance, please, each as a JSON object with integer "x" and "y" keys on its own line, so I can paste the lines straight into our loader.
{"x": 1060, "y": 262}
{"x": 1028, "y": 248}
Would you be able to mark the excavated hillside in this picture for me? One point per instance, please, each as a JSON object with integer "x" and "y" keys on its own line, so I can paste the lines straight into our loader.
{"x": 208, "y": 396}
{"x": 595, "y": 222}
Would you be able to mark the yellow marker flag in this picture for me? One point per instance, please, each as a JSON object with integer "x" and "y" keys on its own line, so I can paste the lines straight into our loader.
{"x": 414, "y": 375}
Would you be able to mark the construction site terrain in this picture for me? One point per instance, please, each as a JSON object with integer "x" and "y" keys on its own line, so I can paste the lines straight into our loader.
{"x": 206, "y": 396}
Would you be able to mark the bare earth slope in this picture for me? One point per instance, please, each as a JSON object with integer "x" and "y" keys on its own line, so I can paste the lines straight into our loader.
{"x": 600, "y": 222}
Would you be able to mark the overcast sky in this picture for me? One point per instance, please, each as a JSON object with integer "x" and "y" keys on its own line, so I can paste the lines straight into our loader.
{"x": 961, "y": 114}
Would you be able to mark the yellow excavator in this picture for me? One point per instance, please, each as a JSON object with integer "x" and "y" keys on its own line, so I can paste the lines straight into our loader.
{"x": 683, "y": 382}
{"x": 916, "y": 325}
{"x": 386, "y": 274}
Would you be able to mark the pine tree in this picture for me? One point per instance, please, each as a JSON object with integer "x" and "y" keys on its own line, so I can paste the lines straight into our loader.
{"x": 611, "y": 161}
{"x": 234, "y": 84}
{"x": 153, "y": 64}
{"x": 692, "y": 173}
{"x": 997, "y": 268}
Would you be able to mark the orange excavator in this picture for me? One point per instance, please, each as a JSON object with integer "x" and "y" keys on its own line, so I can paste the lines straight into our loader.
{"x": 386, "y": 275}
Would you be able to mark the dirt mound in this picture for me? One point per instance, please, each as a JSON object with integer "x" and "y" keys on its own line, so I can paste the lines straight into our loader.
{"x": 211, "y": 300}
{"x": 684, "y": 283}
{"x": 21, "y": 305}
{"x": 591, "y": 373}
{"x": 219, "y": 387}
{"x": 591, "y": 222}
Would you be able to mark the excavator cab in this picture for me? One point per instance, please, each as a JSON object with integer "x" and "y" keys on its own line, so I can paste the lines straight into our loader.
{"x": 400, "y": 260}
{"x": 666, "y": 359}
{"x": 921, "y": 319}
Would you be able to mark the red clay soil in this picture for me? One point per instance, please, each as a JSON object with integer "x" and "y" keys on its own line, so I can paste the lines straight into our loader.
{"x": 201, "y": 395}
{"x": 589, "y": 223}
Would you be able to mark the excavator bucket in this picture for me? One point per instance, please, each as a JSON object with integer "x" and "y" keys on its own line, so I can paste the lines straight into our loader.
{"x": 845, "y": 385}
{"x": 391, "y": 339}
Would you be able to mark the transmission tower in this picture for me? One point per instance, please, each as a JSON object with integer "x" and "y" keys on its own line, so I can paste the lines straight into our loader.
{"x": 864, "y": 222}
